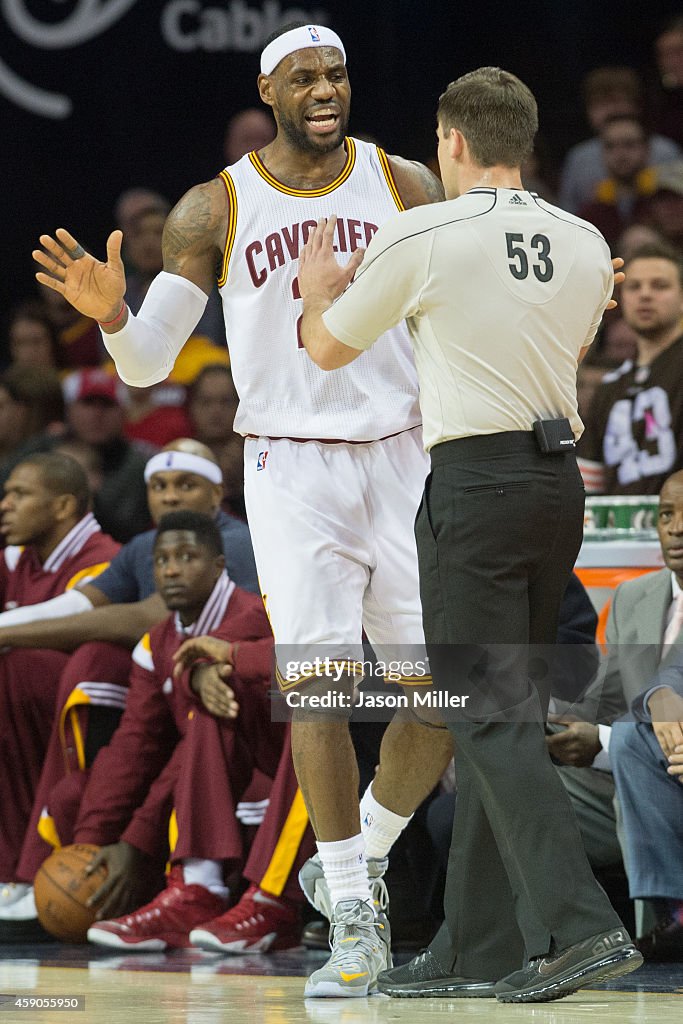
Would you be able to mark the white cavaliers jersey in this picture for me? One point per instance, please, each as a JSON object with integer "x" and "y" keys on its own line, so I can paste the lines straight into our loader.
{"x": 282, "y": 392}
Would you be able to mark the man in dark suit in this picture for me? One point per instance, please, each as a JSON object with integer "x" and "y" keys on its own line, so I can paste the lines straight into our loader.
{"x": 647, "y": 754}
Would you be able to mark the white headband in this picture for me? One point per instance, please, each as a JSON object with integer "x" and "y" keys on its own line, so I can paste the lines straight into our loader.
{"x": 166, "y": 462}
{"x": 298, "y": 39}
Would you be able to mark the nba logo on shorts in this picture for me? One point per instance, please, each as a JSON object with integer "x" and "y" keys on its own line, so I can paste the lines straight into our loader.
{"x": 261, "y": 461}
{"x": 315, "y": 35}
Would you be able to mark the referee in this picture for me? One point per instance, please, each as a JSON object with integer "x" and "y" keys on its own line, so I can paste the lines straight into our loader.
{"x": 502, "y": 294}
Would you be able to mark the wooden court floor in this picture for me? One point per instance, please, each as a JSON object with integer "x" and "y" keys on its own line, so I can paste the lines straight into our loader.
{"x": 188, "y": 987}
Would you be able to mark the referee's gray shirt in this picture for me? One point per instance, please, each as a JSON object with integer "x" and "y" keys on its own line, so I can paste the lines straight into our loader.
{"x": 500, "y": 291}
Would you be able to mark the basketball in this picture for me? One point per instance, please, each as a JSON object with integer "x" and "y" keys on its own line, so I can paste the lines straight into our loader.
{"x": 62, "y": 889}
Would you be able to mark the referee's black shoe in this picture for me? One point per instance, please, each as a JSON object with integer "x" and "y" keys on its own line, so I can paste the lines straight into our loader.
{"x": 598, "y": 958}
{"x": 424, "y": 976}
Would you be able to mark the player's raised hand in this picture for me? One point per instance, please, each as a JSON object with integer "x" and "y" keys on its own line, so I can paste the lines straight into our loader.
{"x": 319, "y": 272}
{"x": 95, "y": 289}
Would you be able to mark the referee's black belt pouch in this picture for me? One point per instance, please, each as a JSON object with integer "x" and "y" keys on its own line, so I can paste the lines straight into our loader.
{"x": 554, "y": 436}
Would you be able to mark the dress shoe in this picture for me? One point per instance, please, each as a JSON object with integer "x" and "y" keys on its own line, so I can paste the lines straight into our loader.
{"x": 664, "y": 943}
{"x": 424, "y": 976}
{"x": 598, "y": 958}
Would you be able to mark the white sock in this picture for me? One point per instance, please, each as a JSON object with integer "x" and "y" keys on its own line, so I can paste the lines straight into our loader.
{"x": 380, "y": 826}
{"x": 208, "y": 873}
{"x": 345, "y": 869}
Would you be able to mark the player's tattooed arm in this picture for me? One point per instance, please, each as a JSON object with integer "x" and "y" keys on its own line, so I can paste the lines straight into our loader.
{"x": 416, "y": 184}
{"x": 195, "y": 233}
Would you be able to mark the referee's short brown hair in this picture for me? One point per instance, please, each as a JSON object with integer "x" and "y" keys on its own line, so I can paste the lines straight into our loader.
{"x": 495, "y": 112}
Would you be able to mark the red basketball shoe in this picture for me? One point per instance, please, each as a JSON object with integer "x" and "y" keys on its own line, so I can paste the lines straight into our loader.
{"x": 258, "y": 923}
{"x": 163, "y": 923}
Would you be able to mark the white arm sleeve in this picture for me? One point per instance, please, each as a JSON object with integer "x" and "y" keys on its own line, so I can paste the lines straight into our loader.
{"x": 73, "y": 602}
{"x": 146, "y": 349}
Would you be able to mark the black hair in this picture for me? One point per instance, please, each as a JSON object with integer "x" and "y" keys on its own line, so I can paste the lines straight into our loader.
{"x": 40, "y": 390}
{"x": 62, "y": 475}
{"x": 208, "y": 371}
{"x": 36, "y": 312}
{"x": 203, "y": 527}
{"x": 285, "y": 28}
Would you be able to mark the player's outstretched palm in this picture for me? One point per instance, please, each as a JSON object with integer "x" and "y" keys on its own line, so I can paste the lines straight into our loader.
{"x": 94, "y": 288}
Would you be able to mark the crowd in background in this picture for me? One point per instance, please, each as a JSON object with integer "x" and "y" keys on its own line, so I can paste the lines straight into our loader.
{"x": 626, "y": 179}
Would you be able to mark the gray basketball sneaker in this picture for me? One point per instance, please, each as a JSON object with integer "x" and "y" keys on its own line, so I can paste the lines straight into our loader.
{"x": 361, "y": 949}
{"x": 312, "y": 881}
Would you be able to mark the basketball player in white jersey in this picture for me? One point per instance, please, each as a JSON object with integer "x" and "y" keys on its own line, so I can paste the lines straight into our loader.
{"x": 334, "y": 466}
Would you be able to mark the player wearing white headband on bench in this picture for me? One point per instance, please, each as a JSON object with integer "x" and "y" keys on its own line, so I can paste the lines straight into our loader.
{"x": 183, "y": 476}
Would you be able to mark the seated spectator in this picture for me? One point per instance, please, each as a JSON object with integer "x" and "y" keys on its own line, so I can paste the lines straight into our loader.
{"x": 141, "y": 214}
{"x": 79, "y": 336}
{"x": 575, "y": 742}
{"x": 212, "y": 406}
{"x": 96, "y": 415}
{"x": 141, "y": 250}
{"x": 623, "y": 197}
{"x": 87, "y": 457}
{"x": 134, "y": 201}
{"x": 537, "y": 172}
{"x": 616, "y": 341}
{"x": 247, "y": 130}
{"x": 32, "y": 338}
{"x": 102, "y": 623}
{"x": 197, "y": 353}
{"x": 156, "y": 415}
{"x": 633, "y": 437}
{"x": 186, "y": 743}
{"x": 31, "y": 414}
{"x": 607, "y": 92}
{"x": 53, "y": 542}
{"x": 667, "y": 96}
{"x": 647, "y": 754}
{"x": 638, "y": 235}
{"x": 666, "y": 205}
{"x": 588, "y": 379}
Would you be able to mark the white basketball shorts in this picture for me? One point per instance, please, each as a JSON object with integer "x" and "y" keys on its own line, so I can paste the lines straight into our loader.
{"x": 333, "y": 532}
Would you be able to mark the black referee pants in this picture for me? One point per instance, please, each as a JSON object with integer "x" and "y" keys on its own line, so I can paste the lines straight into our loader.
{"x": 498, "y": 532}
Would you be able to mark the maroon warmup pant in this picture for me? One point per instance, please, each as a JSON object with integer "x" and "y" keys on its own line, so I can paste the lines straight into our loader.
{"x": 285, "y": 839}
{"x": 207, "y": 774}
{"x": 93, "y": 675}
{"x": 29, "y": 681}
